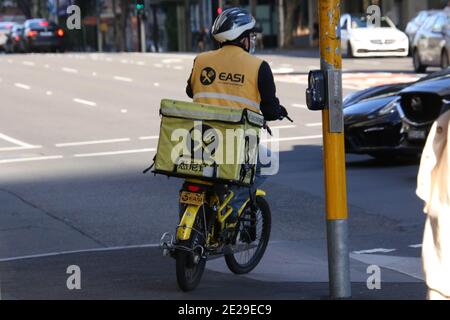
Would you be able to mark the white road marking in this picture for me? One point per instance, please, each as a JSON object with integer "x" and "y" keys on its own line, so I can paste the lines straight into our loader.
{"x": 298, "y": 105}
{"x": 158, "y": 65}
{"x": 316, "y": 124}
{"x": 416, "y": 246}
{"x": 156, "y": 84}
{"x": 46, "y": 66}
{"x": 149, "y": 138}
{"x": 30, "y": 159}
{"x": 69, "y": 70}
{"x": 49, "y": 93}
{"x": 293, "y": 138}
{"x": 374, "y": 251}
{"x": 113, "y": 153}
{"x": 10, "y": 61}
{"x": 22, "y": 86}
{"x": 124, "y": 79}
{"x": 140, "y": 63}
{"x": 15, "y": 141}
{"x": 410, "y": 266}
{"x": 178, "y": 67}
{"x": 94, "y": 74}
{"x": 282, "y": 70}
{"x": 19, "y": 148}
{"x": 170, "y": 61}
{"x": 85, "y": 102}
{"x": 58, "y": 253}
{"x": 29, "y": 63}
{"x": 124, "y": 110}
{"x": 85, "y": 143}
{"x": 283, "y": 127}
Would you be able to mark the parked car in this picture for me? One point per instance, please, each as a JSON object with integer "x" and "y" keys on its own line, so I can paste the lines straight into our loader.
{"x": 16, "y": 39}
{"x": 360, "y": 39}
{"x": 42, "y": 35}
{"x": 431, "y": 46}
{"x": 5, "y": 30}
{"x": 414, "y": 25}
{"x": 390, "y": 120}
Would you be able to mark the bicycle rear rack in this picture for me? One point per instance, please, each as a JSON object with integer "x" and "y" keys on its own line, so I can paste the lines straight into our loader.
{"x": 168, "y": 246}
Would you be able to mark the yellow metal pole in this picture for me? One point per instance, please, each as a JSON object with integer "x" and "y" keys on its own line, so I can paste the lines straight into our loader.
{"x": 334, "y": 151}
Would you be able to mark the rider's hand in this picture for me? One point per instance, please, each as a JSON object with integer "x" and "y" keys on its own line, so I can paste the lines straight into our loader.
{"x": 283, "y": 113}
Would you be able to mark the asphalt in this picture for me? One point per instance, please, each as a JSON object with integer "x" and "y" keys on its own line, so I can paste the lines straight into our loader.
{"x": 76, "y": 131}
{"x": 144, "y": 274}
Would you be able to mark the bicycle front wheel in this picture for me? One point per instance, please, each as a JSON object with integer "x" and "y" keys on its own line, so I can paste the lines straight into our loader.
{"x": 253, "y": 233}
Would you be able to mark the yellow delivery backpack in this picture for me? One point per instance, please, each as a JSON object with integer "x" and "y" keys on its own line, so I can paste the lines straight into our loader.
{"x": 208, "y": 142}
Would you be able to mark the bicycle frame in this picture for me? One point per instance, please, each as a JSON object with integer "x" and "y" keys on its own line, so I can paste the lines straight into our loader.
{"x": 186, "y": 225}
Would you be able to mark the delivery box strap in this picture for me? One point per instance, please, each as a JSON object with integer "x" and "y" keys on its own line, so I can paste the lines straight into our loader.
{"x": 246, "y": 166}
{"x": 151, "y": 167}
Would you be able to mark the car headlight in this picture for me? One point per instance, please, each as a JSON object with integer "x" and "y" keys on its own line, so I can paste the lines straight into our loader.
{"x": 391, "y": 107}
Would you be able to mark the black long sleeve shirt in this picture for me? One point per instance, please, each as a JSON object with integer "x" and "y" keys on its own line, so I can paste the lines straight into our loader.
{"x": 270, "y": 105}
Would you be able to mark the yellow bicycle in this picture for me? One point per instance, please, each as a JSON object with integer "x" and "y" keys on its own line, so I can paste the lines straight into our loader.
{"x": 207, "y": 228}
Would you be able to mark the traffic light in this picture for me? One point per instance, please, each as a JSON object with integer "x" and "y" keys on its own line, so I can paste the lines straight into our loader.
{"x": 217, "y": 7}
{"x": 140, "y": 6}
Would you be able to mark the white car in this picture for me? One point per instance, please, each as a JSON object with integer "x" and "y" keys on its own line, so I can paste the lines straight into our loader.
{"x": 5, "y": 29}
{"x": 360, "y": 39}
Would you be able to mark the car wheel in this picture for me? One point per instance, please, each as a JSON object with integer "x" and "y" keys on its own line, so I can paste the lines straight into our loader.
{"x": 349, "y": 50}
{"x": 418, "y": 66}
{"x": 444, "y": 60}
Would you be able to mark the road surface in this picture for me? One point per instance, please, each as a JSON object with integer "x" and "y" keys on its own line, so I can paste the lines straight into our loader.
{"x": 76, "y": 131}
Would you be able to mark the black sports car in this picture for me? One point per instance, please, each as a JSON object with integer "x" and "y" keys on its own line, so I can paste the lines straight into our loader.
{"x": 392, "y": 120}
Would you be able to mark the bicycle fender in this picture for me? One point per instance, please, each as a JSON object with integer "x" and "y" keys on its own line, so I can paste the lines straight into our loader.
{"x": 260, "y": 193}
{"x": 187, "y": 223}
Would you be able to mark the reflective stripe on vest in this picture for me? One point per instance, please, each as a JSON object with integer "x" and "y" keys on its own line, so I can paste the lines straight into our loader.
{"x": 229, "y": 97}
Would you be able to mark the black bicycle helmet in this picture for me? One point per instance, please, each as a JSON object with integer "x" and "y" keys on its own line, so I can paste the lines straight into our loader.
{"x": 232, "y": 24}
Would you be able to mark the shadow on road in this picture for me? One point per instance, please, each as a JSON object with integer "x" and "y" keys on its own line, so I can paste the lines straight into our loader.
{"x": 143, "y": 274}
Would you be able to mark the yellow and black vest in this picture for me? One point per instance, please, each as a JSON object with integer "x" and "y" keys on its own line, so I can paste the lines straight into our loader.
{"x": 227, "y": 77}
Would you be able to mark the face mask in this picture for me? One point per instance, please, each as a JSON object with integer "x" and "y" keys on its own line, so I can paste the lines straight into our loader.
{"x": 252, "y": 48}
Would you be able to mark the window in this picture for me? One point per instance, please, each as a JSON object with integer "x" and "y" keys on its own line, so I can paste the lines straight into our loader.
{"x": 429, "y": 23}
{"x": 440, "y": 22}
{"x": 344, "y": 24}
{"x": 361, "y": 22}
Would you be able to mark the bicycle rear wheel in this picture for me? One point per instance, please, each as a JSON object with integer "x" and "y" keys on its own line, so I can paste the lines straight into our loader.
{"x": 253, "y": 233}
{"x": 190, "y": 264}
